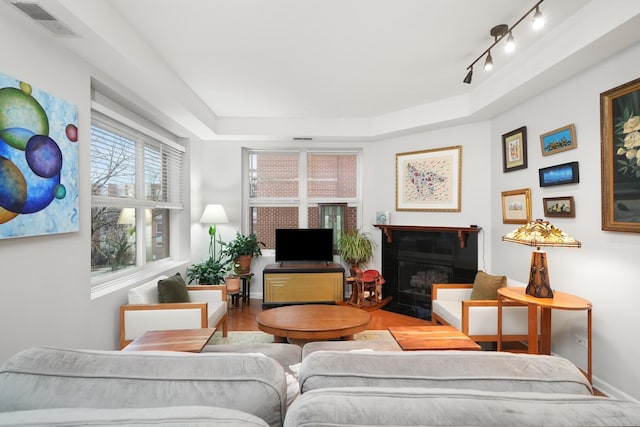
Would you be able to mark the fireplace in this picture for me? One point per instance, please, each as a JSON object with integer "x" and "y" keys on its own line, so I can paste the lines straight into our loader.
{"x": 414, "y": 258}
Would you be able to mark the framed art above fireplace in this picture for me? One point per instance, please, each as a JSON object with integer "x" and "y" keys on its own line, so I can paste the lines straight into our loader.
{"x": 429, "y": 180}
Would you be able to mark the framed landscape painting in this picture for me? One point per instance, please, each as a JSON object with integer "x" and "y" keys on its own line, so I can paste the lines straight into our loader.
{"x": 429, "y": 180}
{"x": 516, "y": 206}
{"x": 514, "y": 150}
{"x": 561, "y": 139}
{"x": 620, "y": 156}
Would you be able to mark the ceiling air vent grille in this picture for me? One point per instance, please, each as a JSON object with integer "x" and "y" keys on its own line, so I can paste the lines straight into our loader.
{"x": 44, "y": 18}
{"x": 302, "y": 138}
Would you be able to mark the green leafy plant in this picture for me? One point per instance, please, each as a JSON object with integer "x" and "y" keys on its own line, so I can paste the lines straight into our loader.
{"x": 356, "y": 247}
{"x": 212, "y": 271}
{"x": 242, "y": 245}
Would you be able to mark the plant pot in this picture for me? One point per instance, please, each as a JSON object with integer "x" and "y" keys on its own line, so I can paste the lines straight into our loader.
{"x": 244, "y": 261}
{"x": 233, "y": 284}
{"x": 354, "y": 270}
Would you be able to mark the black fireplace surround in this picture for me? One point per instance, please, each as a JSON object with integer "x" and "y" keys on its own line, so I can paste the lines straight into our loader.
{"x": 415, "y": 257}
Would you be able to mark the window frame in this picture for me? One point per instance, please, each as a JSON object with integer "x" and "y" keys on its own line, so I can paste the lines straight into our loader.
{"x": 105, "y": 283}
{"x": 302, "y": 202}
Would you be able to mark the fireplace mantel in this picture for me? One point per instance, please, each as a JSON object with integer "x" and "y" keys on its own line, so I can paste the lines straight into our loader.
{"x": 462, "y": 232}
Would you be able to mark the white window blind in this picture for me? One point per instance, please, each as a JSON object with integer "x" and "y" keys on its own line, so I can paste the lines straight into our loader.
{"x": 131, "y": 168}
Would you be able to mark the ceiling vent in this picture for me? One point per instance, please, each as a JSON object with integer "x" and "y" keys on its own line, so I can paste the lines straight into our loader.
{"x": 44, "y": 18}
{"x": 302, "y": 138}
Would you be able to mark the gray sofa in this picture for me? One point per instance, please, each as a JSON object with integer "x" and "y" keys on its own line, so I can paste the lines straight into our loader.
{"x": 340, "y": 383}
{"x": 449, "y": 388}
{"x": 80, "y": 387}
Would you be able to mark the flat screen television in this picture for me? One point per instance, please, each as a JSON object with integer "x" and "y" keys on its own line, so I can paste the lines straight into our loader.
{"x": 304, "y": 245}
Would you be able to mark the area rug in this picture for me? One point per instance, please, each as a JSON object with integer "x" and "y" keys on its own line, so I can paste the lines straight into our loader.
{"x": 244, "y": 337}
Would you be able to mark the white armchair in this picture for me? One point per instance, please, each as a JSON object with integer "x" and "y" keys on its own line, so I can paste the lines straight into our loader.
{"x": 207, "y": 309}
{"x": 478, "y": 319}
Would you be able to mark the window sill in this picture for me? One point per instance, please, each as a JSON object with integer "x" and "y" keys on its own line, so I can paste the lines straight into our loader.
{"x": 137, "y": 277}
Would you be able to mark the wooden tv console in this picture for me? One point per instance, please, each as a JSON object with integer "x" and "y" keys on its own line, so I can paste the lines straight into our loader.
{"x": 293, "y": 283}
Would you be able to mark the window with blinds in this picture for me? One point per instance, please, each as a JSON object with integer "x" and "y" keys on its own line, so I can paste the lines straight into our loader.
{"x": 136, "y": 181}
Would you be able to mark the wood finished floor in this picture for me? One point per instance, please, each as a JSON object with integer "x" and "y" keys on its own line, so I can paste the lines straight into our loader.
{"x": 244, "y": 318}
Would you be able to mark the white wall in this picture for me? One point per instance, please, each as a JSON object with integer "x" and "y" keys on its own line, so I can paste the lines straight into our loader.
{"x": 45, "y": 288}
{"x": 604, "y": 269}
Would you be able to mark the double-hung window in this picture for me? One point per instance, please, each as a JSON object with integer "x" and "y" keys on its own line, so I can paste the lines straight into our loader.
{"x": 302, "y": 189}
{"x": 136, "y": 184}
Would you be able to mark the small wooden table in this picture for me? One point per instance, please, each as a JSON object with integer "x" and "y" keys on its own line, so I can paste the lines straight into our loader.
{"x": 313, "y": 322}
{"x": 432, "y": 338}
{"x": 560, "y": 301}
{"x": 189, "y": 340}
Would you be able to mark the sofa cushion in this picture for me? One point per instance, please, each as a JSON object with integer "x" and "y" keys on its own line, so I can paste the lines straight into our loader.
{"x": 491, "y": 371}
{"x": 45, "y": 377}
{"x": 384, "y": 344}
{"x": 169, "y": 416}
{"x": 285, "y": 354}
{"x": 379, "y": 406}
{"x": 172, "y": 289}
{"x": 485, "y": 286}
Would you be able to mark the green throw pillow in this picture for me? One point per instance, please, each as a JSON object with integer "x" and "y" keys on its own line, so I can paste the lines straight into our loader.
{"x": 173, "y": 289}
{"x": 485, "y": 286}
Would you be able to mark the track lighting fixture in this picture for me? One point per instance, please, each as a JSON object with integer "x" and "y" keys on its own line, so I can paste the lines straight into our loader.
{"x": 488, "y": 63}
{"x": 538, "y": 20}
{"x": 511, "y": 43}
{"x": 468, "y": 77}
{"x": 499, "y": 32}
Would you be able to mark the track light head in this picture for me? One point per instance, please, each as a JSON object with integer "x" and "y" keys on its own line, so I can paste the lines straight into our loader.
{"x": 468, "y": 77}
{"x": 511, "y": 43}
{"x": 488, "y": 63}
{"x": 538, "y": 19}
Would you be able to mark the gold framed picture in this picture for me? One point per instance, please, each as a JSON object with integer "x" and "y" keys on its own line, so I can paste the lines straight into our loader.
{"x": 429, "y": 180}
{"x": 620, "y": 139}
{"x": 516, "y": 206}
{"x": 561, "y": 139}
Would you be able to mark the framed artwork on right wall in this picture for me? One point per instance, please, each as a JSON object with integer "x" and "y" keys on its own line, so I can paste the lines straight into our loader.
{"x": 620, "y": 128}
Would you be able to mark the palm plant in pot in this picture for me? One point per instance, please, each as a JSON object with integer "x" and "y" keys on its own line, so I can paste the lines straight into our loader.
{"x": 356, "y": 248}
{"x": 242, "y": 249}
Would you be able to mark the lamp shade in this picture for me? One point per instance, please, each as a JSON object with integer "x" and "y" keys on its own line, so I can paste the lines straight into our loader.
{"x": 214, "y": 214}
{"x": 541, "y": 233}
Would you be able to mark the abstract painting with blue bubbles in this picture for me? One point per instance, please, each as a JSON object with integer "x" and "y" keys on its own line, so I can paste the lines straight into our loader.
{"x": 38, "y": 161}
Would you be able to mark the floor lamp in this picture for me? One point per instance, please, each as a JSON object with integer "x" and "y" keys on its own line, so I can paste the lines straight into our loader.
{"x": 540, "y": 233}
{"x": 213, "y": 214}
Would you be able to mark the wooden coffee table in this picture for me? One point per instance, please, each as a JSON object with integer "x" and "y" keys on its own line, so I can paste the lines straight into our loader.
{"x": 432, "y": 338}
{"x": 313, "y": 322}
{"x": 189, "y": 340}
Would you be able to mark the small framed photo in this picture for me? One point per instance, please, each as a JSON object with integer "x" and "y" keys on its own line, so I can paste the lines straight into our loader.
{"x": 514, "y": 150}
{"x": 516, "y": 206}
{"x": 561, "y": 139}
{"x": 566, "y": 173}
{"x": 559, "y": 206}
{"x": 383, "y": 218}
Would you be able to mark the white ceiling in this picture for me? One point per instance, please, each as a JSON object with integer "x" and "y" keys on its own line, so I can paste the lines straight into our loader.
{"x": 334, "y": 69}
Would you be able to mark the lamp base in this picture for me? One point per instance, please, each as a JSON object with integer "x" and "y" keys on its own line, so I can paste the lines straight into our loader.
{"x": 539, "y": 285}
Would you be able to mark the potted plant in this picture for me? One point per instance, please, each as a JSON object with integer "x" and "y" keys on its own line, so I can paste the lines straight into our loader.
{"x": 242, "y": 249}
{"x": 233, "y": 278}
{"x": 356, "y": 247}
{"x": 210, "y": 272}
